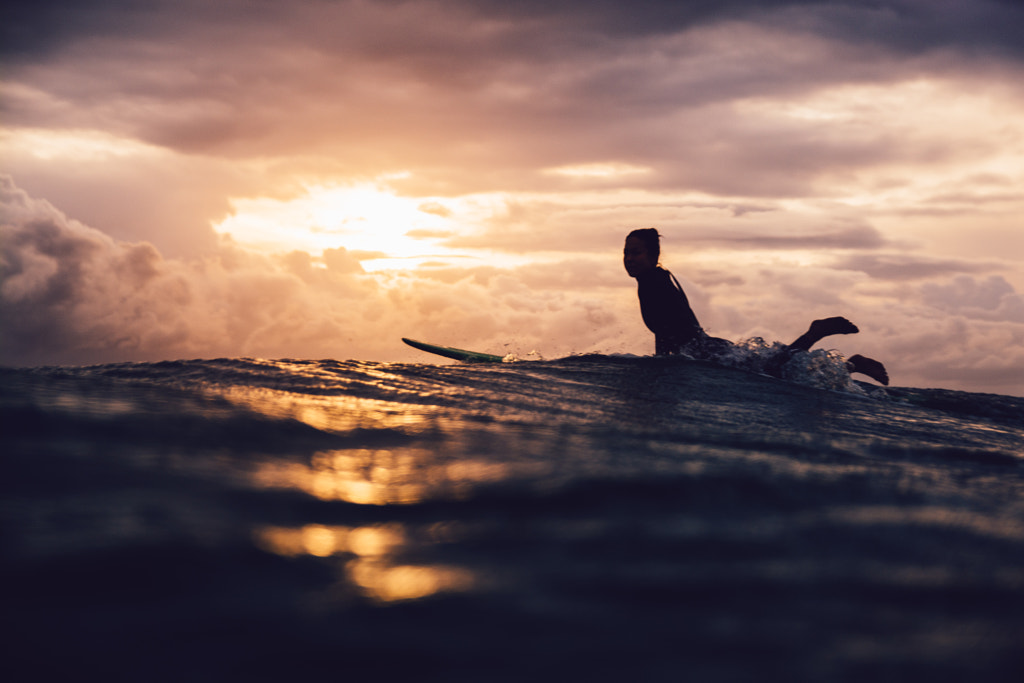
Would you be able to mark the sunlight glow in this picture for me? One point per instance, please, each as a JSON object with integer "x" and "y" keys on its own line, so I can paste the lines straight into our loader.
{"x": 383, "y": 230}
{"x": 612, "y": 169}
{"x": 367, "y": 219}
{"x": 73, "y": 145}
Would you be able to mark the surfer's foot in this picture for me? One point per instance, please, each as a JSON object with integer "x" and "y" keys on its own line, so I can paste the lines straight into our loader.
{"x": 870, "y": 367}
{"x": 830, "y": 326}
{"x": 820, "y": 329}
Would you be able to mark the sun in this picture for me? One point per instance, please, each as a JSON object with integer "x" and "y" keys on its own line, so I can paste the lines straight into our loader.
{"x": 368, "y": 219}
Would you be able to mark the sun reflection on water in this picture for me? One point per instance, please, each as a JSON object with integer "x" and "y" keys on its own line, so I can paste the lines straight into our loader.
{"x": 332, "y": 413}
{"x": 369, "y": 557}
{"x": 366, "y": 476}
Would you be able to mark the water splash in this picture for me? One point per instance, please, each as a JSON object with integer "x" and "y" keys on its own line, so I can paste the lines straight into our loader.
{"x": 820, "y": 368}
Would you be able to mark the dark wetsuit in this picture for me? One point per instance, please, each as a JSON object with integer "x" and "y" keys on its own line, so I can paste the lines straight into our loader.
{"x": 666, "y": 312}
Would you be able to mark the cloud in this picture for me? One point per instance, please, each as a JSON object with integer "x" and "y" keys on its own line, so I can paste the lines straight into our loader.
{"x": 341, "y": 260}
{"x": 952, "y": 351}
{"x": 436, "y": 209}
{"x": 39, "y": 28}
{"x": 989, "y": 27}
{"x": 48, "y": 25}
{"x": 908, "y": 266}
{"x": 859, "y": 237}
{"x": 986, "y": 26}
{"x": 60, "y": 278}
{"x": 599, "y": 223}
{"x": 424, "y": 234}
{"x": 990, "y": 299}
{"x": 71, "y": 294}
{"x": 747, "y": 102}
{"x": 136, "y": 192}
{"x": 375, "y": 85}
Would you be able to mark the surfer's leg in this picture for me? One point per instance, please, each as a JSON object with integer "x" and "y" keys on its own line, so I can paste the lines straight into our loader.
{"x": 666, "y": 346}
{"x": 868, "y": 366}
{"x": 820, "y": 329}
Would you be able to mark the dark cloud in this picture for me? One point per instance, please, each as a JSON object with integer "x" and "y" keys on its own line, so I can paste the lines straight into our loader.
{"x": 986, "y": 26}
{"x": 235, "y": 47}
{"x": 913, "y": 26}
{"x": 983, "y": 28}
{"x": 30, "y": 30}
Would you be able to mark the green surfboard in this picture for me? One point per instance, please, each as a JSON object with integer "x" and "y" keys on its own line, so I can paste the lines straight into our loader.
{"x": 457, "y": 354}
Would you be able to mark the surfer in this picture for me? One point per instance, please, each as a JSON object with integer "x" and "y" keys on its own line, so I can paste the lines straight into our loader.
{"x": 667, "y": 313}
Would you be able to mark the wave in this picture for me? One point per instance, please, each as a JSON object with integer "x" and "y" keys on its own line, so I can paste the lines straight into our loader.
{"x": 290, "y": 519}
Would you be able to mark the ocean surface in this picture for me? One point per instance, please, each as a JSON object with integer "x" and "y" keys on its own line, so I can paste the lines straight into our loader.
{"x": 590, "y": 518}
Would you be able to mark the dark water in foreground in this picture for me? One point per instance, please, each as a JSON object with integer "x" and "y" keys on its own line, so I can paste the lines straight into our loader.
{"x": 585, "y": 519}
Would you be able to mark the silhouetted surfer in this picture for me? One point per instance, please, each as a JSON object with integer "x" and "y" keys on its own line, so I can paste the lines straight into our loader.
{"x": 667, "y": 313}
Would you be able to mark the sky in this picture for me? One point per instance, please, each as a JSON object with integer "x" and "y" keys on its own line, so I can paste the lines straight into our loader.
{"x": 319, "y": 178}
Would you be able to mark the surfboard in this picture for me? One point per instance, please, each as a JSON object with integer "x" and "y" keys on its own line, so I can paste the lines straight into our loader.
{"x": 457, "y": 354}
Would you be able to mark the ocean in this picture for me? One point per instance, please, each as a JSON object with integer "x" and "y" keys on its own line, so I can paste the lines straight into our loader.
{"x": 596, "y": 518}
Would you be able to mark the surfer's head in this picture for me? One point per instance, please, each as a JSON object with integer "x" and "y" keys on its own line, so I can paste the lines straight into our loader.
{"x": 642, "y": 250}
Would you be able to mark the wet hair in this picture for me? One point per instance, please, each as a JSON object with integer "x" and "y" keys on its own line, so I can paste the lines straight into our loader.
{"x": 651, "y": 240}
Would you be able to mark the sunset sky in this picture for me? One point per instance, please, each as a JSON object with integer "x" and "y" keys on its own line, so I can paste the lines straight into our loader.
{"x": 318, "y": 178}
